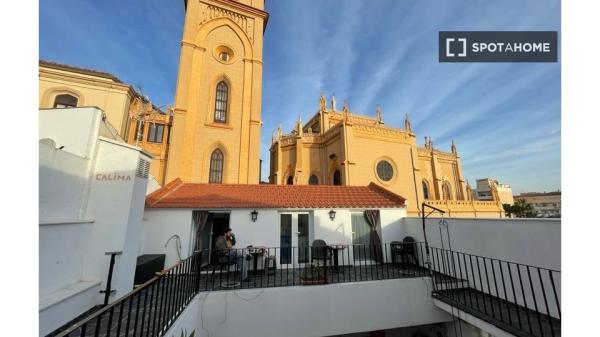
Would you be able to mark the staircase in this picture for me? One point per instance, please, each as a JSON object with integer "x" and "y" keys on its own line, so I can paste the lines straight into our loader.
{"x": 518, "y": 299}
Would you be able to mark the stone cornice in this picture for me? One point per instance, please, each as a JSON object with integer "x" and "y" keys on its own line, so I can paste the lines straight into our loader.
{"x": 85, "y": 80}
{"x": 245, "y": 8}
{"x": 381, "y": 132}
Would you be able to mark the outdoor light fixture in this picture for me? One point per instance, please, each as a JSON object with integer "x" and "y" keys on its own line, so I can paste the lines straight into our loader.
{"x": 332, "y": 215}
{"x": 254, "y": 215}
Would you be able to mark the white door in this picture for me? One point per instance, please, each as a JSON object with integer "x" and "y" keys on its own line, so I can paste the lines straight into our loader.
{"x": 294, "y": 233}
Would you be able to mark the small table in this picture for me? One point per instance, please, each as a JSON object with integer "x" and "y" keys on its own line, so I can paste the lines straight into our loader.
{"x": 256, "y": 252}
{"x": 335, "y": 248}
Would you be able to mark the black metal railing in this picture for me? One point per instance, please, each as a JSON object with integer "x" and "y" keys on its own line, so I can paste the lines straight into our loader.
{"x": 307, "y": 265}
{"x": 149, "y": 310}
{"x": 519, "y": 298}
{"x": 152, "y": 308}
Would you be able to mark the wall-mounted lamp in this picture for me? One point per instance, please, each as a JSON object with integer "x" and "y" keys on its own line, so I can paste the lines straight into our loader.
{"x": 254, "y": 215}
{"x": 332, "y": 215}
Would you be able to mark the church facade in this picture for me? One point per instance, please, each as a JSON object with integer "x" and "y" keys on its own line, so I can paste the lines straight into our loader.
{"x": 343, "y": 148}
{"x": 217, "y": 111}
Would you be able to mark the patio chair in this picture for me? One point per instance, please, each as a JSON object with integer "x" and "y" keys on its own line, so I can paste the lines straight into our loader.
{"x": 395, "y": 251}
{"x": 320, "y": 251}
{"x": 408, "y": 249}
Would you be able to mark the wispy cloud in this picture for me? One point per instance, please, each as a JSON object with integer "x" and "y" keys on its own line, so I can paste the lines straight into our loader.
{"x": 505, "y": 118}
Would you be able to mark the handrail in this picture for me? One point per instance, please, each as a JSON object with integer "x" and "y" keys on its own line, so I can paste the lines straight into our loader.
{"x": 152, "y": 308}
{"x": 495, "y": 259}
{"x": 152, "y": 284}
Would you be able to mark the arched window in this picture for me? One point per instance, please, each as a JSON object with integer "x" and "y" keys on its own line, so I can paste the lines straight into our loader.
{"x": 337, "y": 178}
{"x": 425, "y": 189}
{"x": 216, "y": 167}
{"x": 221, "y": 102}
{"x": 65, "y": 101}
{"x": 446, "y": 191}
{"x": 290, "y": 180}
{"x": 313, "y": 180}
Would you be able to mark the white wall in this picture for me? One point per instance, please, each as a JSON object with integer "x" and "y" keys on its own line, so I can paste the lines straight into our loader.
{"x": 84, "y": 214}
{"x": 76, "y": 129}
{"x": 60, "y": 257}
{"x": 529, "y": 241}
{"x": 263, "y": 232}
{"x": 117, "y": 206}
{"x": 160, "y": 225}
{"x": 62, "y": 184}
{"x": 312, "y": 310}
{"x": 534, "y": 242}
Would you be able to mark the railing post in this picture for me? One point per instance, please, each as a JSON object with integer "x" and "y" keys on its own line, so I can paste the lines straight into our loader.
{"x": 325, "y": 263}
{"x": 108, "y": 291}
{"x": 198, "y": 266}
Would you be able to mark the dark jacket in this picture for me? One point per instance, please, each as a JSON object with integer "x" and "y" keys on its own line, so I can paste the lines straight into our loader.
{"x": 220, "y": 243}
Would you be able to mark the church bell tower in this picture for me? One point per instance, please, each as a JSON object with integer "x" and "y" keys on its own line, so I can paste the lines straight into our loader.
{"x": 215, "y": 136}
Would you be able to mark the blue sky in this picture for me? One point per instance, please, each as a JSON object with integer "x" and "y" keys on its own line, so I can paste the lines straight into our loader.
{"x": 504, "y": 117}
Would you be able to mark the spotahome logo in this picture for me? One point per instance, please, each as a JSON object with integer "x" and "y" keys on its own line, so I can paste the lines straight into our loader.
{"x": 498, "y": 46}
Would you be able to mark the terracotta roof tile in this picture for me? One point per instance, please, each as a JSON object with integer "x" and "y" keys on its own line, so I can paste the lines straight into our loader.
{"x": 178, "y": 194}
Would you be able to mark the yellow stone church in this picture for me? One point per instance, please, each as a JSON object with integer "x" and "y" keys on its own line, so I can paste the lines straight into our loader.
{"x": 343, "y": 148}
{"x": 216, "y": 124}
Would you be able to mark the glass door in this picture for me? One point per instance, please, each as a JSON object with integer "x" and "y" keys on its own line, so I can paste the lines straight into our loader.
{"x": 302, "y": 237}
{"x": 285, "y": 244}
{"x": 361, "y": 238}
{"x": 294, "y": 233}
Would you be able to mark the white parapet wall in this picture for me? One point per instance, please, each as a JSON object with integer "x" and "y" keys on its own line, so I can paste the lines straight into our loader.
{"x": 92, "y": 194}
{"x": 528, "y": 242}
{"x": 323, "y": 310}
{"x": 534, "y": 242}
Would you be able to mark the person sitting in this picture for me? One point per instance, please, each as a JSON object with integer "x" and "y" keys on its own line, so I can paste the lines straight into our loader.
{"x": 224, "y": 244}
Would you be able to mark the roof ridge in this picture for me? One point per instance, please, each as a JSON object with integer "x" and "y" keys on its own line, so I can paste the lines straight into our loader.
{"x": 154, "y": 197}
{"x": 385, "y": 191}
{"x": 88, "y": 71}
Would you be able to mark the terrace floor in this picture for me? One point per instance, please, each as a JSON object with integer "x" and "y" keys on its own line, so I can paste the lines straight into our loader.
{"x": 507, "y": 316}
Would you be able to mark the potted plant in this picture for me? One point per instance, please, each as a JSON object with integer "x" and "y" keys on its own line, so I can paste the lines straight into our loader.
{"x": 312, "y": 275}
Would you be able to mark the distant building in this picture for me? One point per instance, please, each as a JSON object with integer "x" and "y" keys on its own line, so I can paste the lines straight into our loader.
{"x": 546, "y": 204}
{"x": 485, "y": 187}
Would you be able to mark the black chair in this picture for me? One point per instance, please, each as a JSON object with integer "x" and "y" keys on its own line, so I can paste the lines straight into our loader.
{"x": 408, "y": 251}
{"x": 320, "y": 251}
{"x": 395, "y": 250}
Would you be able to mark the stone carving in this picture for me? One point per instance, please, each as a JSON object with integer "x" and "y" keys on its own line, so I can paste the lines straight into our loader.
{"x": 245, "y": 23}
{"x": 378, "y": 114}
{"x": 322, "y": 103}
{"x": 333, "y": 103}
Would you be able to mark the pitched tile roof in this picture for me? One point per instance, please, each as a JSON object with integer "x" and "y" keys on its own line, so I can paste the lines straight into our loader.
{"x": 178, "y": 194}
